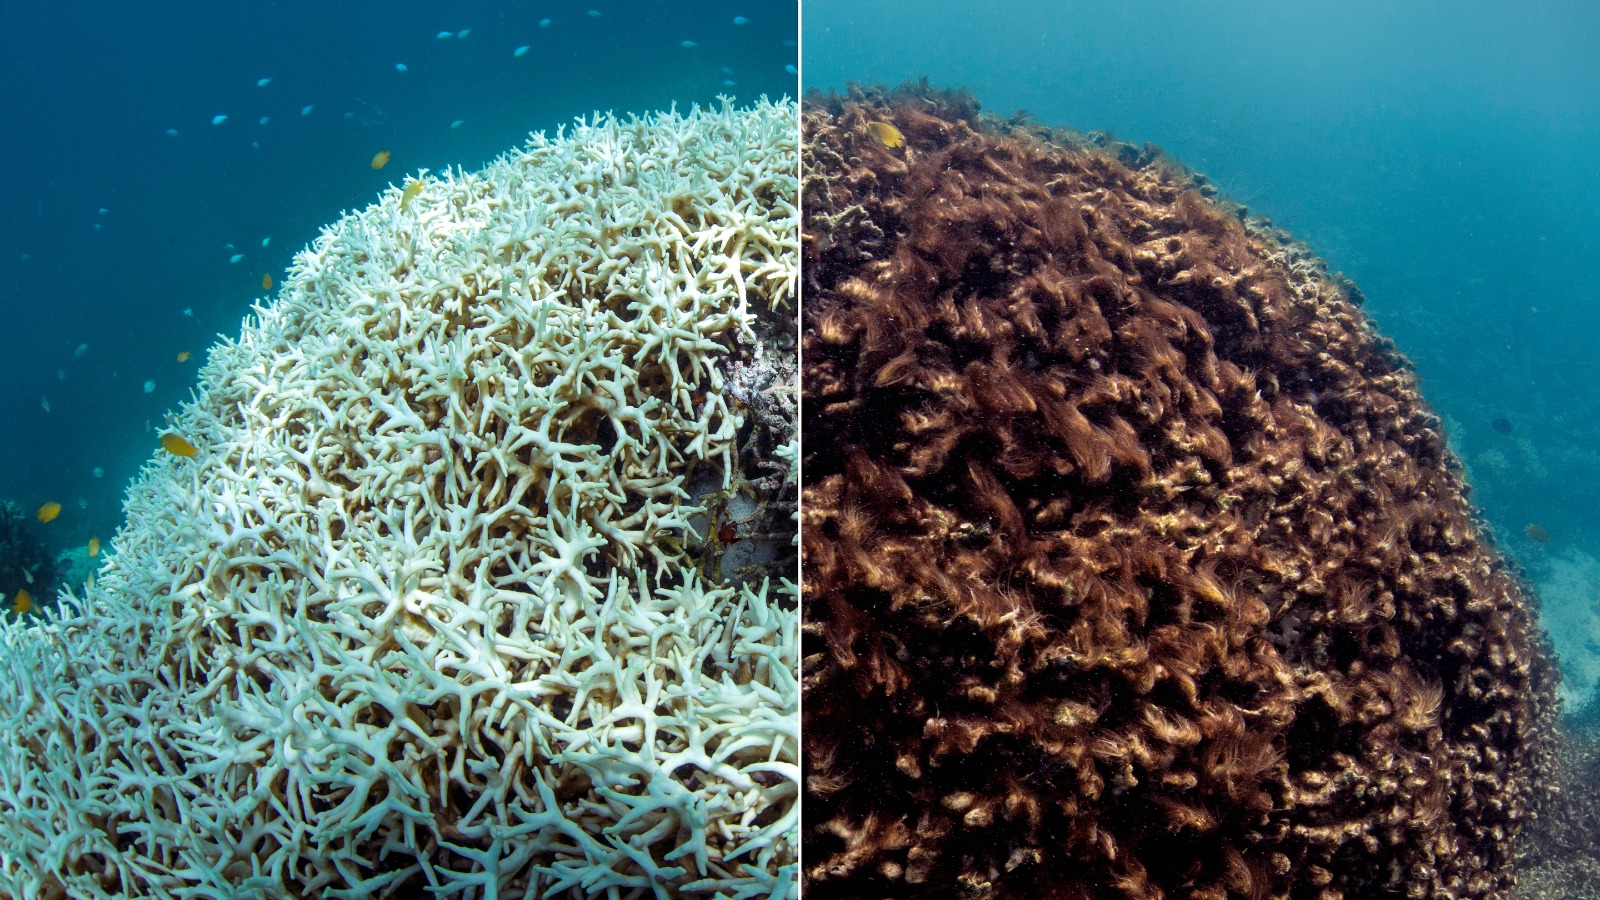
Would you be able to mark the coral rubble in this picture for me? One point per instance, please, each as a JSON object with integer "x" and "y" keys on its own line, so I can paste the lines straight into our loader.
{"x": 427, "y": 614}
{"x": 1561, "y": 857}
{"x": 1134, "y": 565}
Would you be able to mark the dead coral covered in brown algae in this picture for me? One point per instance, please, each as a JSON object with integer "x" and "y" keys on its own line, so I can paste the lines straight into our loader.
{"x": 1134, "y": 565}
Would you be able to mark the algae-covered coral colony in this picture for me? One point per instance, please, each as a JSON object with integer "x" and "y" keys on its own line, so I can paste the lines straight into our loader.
{"x": 1133, "y": 563}
{"x": 479, "y": 582}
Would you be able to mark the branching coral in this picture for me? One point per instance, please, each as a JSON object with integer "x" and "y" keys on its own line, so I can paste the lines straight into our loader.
{"x": 424, "y": 614}
{"x": 1134, "y": 564}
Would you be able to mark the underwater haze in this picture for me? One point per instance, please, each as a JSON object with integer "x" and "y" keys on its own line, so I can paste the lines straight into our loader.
{"x": 1445, "y": 156}
{"x": 163, "y": 161}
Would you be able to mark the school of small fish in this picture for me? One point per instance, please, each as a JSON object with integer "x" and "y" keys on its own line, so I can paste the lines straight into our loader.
{"x": 176, "y": 444}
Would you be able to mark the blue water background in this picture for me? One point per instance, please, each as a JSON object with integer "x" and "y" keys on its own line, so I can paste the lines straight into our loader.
{"x": 88, "y": 91}
{"x": 1445, "y": 155}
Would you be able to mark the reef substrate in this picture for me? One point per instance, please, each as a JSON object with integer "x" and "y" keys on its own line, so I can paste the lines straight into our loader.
{"x": 1134, "y": 564}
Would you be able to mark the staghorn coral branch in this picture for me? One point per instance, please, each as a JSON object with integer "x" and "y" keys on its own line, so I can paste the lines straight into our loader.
{"x": 426, "y": 612}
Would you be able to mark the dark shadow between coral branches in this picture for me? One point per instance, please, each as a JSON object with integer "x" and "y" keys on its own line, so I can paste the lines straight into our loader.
{"x": 1135, "y": 565}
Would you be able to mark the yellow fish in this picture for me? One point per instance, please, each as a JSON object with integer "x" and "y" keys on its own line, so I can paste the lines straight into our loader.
{"x": 94, "y": 547}
{"x": 266, "y": 282}
{"x": 380, "y": 159}
{"x": 413, "y": 188}
{"x": 22, "y": 603}
{"x": 49, "y": 511}
{"x": 886, "y": 134}
{"x": 183, "y": 356}
{"x": 177, "y": 446}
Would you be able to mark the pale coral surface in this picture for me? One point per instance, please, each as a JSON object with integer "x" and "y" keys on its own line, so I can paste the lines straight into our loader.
{"x": 430, "y": 608}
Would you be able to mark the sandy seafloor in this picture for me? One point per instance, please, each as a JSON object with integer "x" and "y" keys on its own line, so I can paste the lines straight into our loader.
{"x": 135, "y": 225}
{"x": 1445, "y": 156}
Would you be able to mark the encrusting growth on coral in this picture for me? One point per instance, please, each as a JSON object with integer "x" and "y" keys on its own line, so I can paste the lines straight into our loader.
{"x": 1134, "y": 565}
{"x": 425, "y": 613}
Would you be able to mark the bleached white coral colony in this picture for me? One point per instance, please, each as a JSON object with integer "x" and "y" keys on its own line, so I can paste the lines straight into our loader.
{"x": 431, "y": 613}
